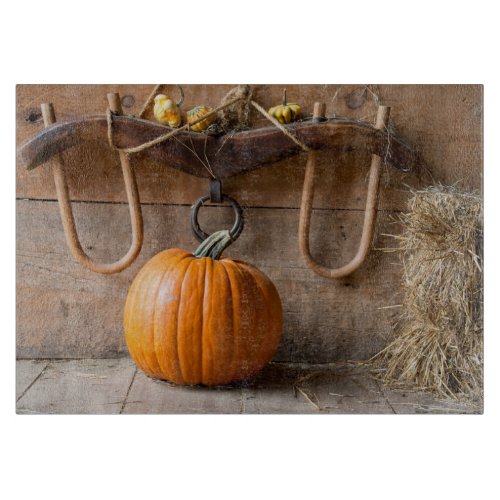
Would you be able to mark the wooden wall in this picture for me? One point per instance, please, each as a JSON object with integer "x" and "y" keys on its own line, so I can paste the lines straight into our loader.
{"x": 65, "y": 311}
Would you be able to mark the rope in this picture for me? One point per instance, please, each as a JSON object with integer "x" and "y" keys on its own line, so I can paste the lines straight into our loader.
{"x": 164, "y": 137}
{"x": 150, "y": 99}
{"x": 275, "y": 122}
{"x": 161, "y": 138}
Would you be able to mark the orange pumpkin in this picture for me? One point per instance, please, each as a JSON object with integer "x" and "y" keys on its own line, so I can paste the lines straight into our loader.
{"x": 195, "y": 319}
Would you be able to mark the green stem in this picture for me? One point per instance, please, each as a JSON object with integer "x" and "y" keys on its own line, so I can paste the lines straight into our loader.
{"x": 214, "y": 245}
{"x": 181, "y": 100}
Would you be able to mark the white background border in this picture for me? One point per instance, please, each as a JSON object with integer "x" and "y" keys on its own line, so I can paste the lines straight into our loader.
{"x": 254, "y": 457}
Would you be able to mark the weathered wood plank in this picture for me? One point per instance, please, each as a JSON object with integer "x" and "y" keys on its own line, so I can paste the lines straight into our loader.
{"x": 285, "y": 388}
{"x": 413, "y": 402}
{"x": 80, "y": 387}
{"x": 64, "y": 310}
{"x": 114, "y": 386}
{"x": 443, "y": 122}
{"x": 153, "y": 396}
{"x": 345, "y": 392}
{"x": 27, "y": 371}
{"x": 273, "y": 392}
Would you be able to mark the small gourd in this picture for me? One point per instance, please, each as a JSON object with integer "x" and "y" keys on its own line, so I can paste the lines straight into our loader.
{"x": 285, "y": 113}
{"x": 196, "y": 113}
{"x": 167, "y": 111}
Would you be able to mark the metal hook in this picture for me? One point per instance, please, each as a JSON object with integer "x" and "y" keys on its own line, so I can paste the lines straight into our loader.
{"x": 370, "y": 210}
{"x": 66, "y": 212}
{"x": 215, "y": 191}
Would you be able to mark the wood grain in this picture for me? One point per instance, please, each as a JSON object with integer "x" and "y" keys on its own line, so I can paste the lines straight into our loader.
{"x": 27, "y": 372}
{"x": 229, "y": 154}
{"x": 296, "y": 389}
{"x": 64, "y": 310}
{"x": 148, "y": 396}
{"x": 110, "y": 386}
{"x": 80, "y": 387}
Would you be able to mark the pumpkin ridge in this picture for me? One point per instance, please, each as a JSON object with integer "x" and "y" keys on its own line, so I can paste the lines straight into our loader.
{"x": 202, "y": 302}
{"x": 233, "y": 339}
{"x": 250, "y": 281}
{"x": 156, "y": 370}
{"x": 177, "y": 319}
{"x": 233, "y": 336}
{"x": 235, "y": 285}
{"x": 139, "y": 349}
{"x": 153, "y": 319}
{"x": 263, "y": 282}
{"x": 168, "y": 268}
{"x": 153, "y": 358}
{"x": 210, "y": 369}
{"x": 239, "y": 330}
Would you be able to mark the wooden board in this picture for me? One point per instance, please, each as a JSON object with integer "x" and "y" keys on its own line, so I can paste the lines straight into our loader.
{"x": 308, "y": 389}
{"x": 80, "y": 387}
{"x": 409, "y": 403}
{"x": 66, "y": 311}
{"x": 443, "y": 122}
{"x": 27, "y": 372}
{"x": 111, "y": 386}
{"x": 155, "y": 396}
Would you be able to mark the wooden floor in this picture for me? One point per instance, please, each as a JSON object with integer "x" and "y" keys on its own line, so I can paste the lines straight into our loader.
{"x": 115, "y": 386}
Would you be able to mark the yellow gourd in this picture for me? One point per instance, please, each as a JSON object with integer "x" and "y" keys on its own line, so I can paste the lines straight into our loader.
{"x": 167, "y": 111}
{"x": 285, "y": 113}
{"x": 196, "y": 113}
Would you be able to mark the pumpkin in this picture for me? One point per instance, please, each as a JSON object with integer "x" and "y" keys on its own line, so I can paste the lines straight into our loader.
{"x": 196, "y": 113}
{"x": 167, "y": 111}
{"x": 285, "y": 113}
{"x": 199, "y": 319}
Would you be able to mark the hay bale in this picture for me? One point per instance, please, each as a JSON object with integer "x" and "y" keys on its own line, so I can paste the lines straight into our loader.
{"x": 439, "y": 342}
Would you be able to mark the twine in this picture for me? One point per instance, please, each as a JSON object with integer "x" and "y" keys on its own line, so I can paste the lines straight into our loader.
{"x": 161, "y": 138}
{"x": 275, "y": 122}
{"x": 164, "y": 137}
{"x": 150, "y": 99}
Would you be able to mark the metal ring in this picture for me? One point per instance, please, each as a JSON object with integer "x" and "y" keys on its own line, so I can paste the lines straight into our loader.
{"x": 238, "y": 223}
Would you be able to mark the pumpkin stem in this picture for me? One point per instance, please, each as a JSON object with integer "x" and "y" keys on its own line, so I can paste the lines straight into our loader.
{"x": 214, "y": 245}
{"x": 284, "y": 97}
{"x": 181, "y": 100}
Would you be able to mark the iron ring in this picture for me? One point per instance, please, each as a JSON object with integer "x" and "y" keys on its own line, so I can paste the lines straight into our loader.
{"x": 238, "y": 223}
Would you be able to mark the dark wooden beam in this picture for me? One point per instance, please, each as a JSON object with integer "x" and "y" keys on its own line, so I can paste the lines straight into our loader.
{"x": 230, "y": 154}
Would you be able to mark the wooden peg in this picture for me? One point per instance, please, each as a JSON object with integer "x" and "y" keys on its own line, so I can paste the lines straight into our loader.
{"x": 319, "y": 112}
{"x": 382, "y": 120}
{"x": 115, "y": 103}
{"x": 48, "y": 114}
